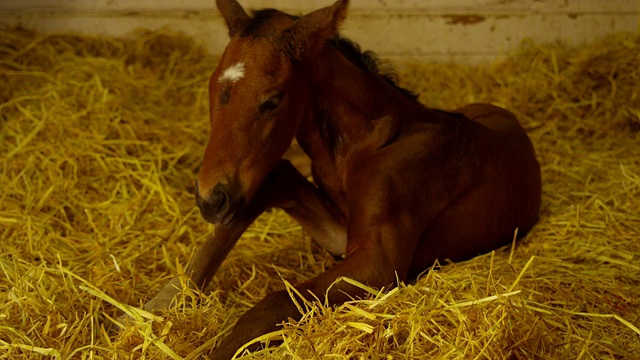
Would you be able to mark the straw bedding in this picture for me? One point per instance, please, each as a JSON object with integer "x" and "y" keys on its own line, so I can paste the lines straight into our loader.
{"x": 100, "y": 140}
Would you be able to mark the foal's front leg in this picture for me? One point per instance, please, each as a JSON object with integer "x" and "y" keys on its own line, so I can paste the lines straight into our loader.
{"x": 204, "y": 264}
{"x": 212, "y": 253}
{"x": 382, "y": 236}
{"x": 285, "y": 187}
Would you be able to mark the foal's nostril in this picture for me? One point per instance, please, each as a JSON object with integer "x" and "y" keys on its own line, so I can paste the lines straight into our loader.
{"x": 219, "y": 197}
{"x": 215, "y": 205}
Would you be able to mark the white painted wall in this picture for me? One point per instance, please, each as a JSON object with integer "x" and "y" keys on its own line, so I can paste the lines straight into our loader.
{"x": 457, "y": 30}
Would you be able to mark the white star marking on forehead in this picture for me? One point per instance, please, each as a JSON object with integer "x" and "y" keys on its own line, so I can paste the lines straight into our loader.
{"x": 233, "y": 73}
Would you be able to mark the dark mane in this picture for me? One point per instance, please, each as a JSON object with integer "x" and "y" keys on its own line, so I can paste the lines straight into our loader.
{"x": 365, "y": 60}
{"x": 368, "y": 60}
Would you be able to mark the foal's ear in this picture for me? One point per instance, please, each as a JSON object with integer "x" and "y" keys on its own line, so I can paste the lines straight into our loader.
{"x": 311, "y": 31}
{"x": 234, "y": 15}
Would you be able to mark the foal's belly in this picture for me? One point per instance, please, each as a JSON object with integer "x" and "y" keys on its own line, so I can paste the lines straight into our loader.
{"x": 477, "y": 223}
{"x": 504, "y": 197}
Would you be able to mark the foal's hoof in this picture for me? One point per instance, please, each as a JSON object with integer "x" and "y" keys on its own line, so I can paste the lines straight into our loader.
{"x": 115, "y": 326}
{"x": 129, "y": 317}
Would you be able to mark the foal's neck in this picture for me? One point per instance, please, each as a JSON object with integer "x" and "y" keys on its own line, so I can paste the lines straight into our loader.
{"x": 349, "y": 101}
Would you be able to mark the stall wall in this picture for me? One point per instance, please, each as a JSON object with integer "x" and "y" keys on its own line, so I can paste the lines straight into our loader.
{"x": 441, "y": 30}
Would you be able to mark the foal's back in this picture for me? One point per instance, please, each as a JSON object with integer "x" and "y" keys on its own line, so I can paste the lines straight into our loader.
{"x": 503, "y": 193}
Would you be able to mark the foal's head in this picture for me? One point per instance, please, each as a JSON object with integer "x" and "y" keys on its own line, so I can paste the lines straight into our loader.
{"x": 256, "y": 101}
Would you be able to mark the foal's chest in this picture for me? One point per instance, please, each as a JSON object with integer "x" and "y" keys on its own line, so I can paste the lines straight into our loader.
{"x": 326, "y": 174}
{"x": 329, "y": 180}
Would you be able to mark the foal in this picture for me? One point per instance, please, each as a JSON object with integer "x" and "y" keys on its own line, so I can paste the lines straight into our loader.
{"x": 396, "y": 185}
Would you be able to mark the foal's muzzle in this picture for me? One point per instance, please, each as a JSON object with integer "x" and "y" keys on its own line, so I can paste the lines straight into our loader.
{"x": 219, "y": 206}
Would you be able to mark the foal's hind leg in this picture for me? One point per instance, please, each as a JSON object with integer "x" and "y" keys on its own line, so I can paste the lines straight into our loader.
{"x": 369, "y": 263}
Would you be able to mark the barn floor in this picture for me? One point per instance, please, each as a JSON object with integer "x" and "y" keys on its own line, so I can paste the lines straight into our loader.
{"x": 100, "y": 139}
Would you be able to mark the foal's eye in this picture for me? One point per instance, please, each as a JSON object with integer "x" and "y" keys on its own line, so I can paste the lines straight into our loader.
{"x": 271, "y": 104}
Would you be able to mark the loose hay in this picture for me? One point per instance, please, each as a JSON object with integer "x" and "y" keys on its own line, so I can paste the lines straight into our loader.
{"x": 100, "y": 140}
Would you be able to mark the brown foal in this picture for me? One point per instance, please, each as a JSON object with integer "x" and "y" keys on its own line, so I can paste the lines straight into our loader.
{"x": 396, "y": 185}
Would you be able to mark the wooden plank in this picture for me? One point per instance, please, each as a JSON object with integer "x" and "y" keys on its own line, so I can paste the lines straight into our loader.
{"x": 383, "y": 6}
{"x": 458, "y": 37}
{"x": 430, "y": 30}
{"x": 417, "y": 36}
